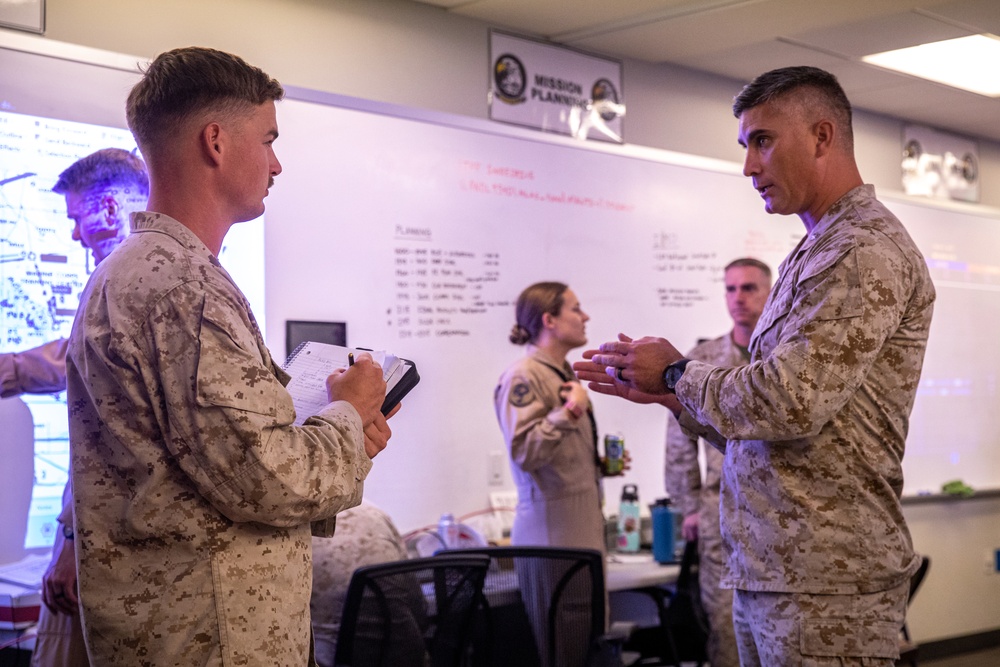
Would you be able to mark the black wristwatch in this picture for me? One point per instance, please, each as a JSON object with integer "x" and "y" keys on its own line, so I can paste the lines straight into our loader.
{"x": 672, "y": 374}
{"x": 67, "y": 531}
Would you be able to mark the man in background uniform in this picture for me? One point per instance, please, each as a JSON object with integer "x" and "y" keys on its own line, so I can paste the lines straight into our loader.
{"x": 101, "y": 190}
{"x": 748, "y": 282}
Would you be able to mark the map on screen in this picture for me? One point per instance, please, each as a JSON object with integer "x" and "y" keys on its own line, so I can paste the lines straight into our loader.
{"x": 43, "y": 272}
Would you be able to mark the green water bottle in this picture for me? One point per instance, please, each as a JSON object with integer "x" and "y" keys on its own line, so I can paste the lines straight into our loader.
{"x": 628, "y": 519}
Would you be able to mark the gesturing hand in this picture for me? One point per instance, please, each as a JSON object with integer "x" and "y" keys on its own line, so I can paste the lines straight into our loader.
{"x": 637, "y": 363}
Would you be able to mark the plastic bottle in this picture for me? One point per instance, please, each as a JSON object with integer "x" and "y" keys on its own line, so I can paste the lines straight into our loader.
{"x": 628, "y": 519}
{"x": 663, "y": 530}
{"x": 448, "y": 531}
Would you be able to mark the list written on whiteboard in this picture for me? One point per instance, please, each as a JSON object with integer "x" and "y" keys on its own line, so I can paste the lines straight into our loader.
{"x": 684, "y": 273}
{"x": 440, "y": 292}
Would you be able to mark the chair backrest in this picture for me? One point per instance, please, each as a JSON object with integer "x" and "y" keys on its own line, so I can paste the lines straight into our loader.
{"x": 415, "y": 612}
{"x": 908, "y": 649}
{"x": 918, "y": 577}
{"x": 542, "y": 607}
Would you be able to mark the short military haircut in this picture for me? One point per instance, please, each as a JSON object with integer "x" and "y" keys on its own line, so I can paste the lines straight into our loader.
{"x": 819, "y": 94}
{"x": 185, "y": 82}
{"x": 108, "y": 168}
{"x": 750, "y": 261}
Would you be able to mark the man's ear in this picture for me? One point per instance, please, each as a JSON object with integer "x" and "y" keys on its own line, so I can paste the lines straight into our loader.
{"x": 824, "y": 133}
{"x": 110, "y": 206}
{"x": 212, "y": 142}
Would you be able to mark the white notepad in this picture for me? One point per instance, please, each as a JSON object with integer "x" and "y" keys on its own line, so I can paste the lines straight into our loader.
{"x": 311, "y": 363}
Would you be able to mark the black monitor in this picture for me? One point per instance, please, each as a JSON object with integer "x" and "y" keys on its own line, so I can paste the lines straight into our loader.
{"x": 299, "y": 331}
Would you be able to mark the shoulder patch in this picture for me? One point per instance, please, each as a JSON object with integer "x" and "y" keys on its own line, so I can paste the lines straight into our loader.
{"x": 521, "y": 394}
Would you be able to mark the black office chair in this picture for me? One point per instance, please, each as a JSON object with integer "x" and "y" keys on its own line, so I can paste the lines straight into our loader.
{"x": 682, "y": 635}
{"x": 908, "y": 650}
{"x": 411, "y": 613}
{"x": 543, "y": 607}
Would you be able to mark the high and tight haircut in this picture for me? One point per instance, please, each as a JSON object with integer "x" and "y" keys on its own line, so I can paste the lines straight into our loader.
{"x": 106, "y": 169}
{"x": 751, "y": 262}
{"x": 533, "y": 303}
{"x": 181, "y": 83}
{"x": 825, "y": 95}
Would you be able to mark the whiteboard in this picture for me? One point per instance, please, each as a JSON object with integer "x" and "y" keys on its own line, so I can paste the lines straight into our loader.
{"x": 419, "y": 230}
{"x": 420, "y": 236}
{"x": 955, "y": 424}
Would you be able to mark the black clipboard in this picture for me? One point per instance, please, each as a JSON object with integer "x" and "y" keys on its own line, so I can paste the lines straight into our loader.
{"x": 402, "y": 387}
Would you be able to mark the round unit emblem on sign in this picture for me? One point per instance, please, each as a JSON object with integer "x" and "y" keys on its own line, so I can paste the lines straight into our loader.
{"x": 509, "y": 79}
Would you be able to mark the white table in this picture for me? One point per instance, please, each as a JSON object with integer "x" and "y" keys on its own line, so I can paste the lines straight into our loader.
{"x": 636, "y": 571}
{"x": 631, "y": 580}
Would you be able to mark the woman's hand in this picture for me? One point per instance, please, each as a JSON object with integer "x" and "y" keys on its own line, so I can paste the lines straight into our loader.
{"x": 576, "y": 400}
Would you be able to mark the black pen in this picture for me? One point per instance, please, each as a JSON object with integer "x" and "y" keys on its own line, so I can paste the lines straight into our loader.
{"x": 350, "y": 358}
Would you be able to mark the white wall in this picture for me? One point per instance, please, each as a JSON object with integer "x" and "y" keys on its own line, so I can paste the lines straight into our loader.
{"x": 960, "y": 595}
{"x": 414, "y": 55}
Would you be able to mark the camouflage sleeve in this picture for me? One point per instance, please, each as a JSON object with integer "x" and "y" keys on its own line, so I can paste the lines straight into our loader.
{"x": 229, "y": 419}
{"x": 40, "y": 370}
{"x": 706, "y": 432}
{"x": 682, "y": 475}
{"x": 532, "y": 426}
{"x": 846, "y": 303}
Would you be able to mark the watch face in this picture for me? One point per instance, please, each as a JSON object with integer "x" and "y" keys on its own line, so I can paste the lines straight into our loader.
{"x": 672, "y": 375}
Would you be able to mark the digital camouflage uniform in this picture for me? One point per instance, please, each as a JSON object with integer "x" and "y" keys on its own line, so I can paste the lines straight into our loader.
{"x": 816, "y": 427}
{"x": 690, "y": 494}
{"x": 42, "y": 370}
{"x": 365, "y": 536}
{"x": 194, "y": 492}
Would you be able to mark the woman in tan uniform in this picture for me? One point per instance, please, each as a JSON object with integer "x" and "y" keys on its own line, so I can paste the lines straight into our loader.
{"x": 548, "y": 425}
{"x": 544, "y": 413}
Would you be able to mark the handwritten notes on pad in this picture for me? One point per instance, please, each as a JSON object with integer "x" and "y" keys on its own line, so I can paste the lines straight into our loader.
{"x": 311, "y": 363}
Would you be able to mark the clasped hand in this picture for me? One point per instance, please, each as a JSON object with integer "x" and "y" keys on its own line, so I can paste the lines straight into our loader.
{"x": 630, "y": 369}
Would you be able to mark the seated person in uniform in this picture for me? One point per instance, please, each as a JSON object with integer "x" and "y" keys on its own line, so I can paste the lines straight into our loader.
{"x": 365, "y": 535}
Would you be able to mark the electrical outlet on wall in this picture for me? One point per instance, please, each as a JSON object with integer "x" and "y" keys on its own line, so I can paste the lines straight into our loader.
{"x": 503, "y": 504}
{"x": 498, "y": 461}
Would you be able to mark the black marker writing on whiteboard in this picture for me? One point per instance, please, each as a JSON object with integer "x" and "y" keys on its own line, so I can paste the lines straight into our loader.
{"x": 350, "y": 358}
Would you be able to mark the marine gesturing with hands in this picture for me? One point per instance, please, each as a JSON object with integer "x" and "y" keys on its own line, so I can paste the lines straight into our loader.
{"x": 631, "y": 369}
{"x": 813, "y": 429}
